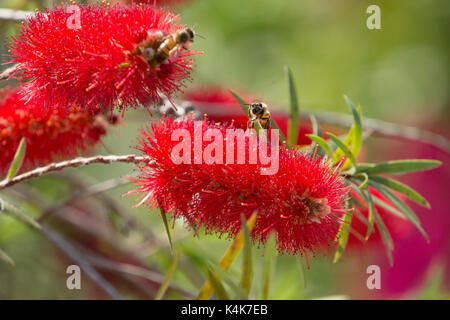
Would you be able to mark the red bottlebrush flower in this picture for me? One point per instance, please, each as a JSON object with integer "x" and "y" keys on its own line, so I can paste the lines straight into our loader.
{"x": 99, "y": 55}
{"x": 50, "y": 133}
{"x": 302, "y": 202}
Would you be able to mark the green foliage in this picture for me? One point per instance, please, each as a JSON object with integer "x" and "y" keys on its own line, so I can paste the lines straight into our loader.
{"x": 343, "y": 234}
{"x": 398, "y": 166}
{"x": 342, "y": 147}
{"x": 228, "y": 258}
{"x": 323, "y": 144}
{"x": 402, "y": 188}
{"x": 269, "y": 262}
{"x": 6, "y": 258}
{"x": 247, "y": 262}
{"x": 294, "y": 115}
{"x": 400, "y": 205}
{"x": 166, "y": 227}
{"x": 17, "y": 160}
{"x": 217, "y": 286}
{"x": 163, "y": 288}
{"x": 352, "y": 144}
{"x": 19, "y": 214}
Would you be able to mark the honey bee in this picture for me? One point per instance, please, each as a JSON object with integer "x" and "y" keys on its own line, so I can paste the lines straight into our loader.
{"x": 258, "y": 111}
{"x": 174, "y": 41}
{"x": 158, "y": 46}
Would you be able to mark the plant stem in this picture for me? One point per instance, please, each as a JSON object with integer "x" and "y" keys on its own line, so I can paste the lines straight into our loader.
{"x": 77, "y": 162}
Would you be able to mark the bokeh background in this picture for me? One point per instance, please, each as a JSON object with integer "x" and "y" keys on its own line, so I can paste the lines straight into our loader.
{"x": 400, "y": 74}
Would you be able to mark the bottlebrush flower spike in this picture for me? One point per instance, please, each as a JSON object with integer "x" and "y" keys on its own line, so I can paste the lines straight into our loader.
{"x": 302, "y": 202}
{"x": 50, "y": 134}
{"x": 102, "y": 60}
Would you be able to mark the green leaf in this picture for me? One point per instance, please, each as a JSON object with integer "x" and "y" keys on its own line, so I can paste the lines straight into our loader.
{"x": 364, "y": 180}
{"x": 401, "y": 206}
{"x": 294, "y": 117}
{"x": 244, "y": 107}
{"x": 217, "y": 286}
{"x": 384, "y": 232}
{"x": 269, "y": 261}
{"x": 386, "y": 237}
{"x": 359, "y": 214}
{"x": 353, "y": 140}
{"x": 371, "y": 214}
{"x": 301, "y": 269}
{"x": 398, "y": 166}
{"x": 402, "y": 188}
{"x": 322, "y": 143}
{"x": 315, "y": 126}
{"x": 228, "y": 258}
{"x": 343, "y": 234}
{"x": 242, "y": 103}
{"x": 19, "y": 214}
{"x": 356, "y": 141}
{"x": 388, "y": 207}
{"x": 226, "y": 278}
{"x": 163, "y": 288}
{"x": 247, "y": 262}
{"x": 6, "y": 258}
{"x": 18, "y": 159}
{"x": 166, "y": 226}
{"x": 343, "y": 147}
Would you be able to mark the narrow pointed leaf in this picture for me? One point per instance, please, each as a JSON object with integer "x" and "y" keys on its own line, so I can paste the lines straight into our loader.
{"x": 360, "y": 216}
{"x": 247, "y": 262}
{"x": 166, "y": 226}
{"x": 163, "y": 288}
{"x": 384, "y": 232}
{"x": 401, "y": 206}
{"x": 6, "y": 258}
{"x": 398, "y": 166}
{"x": 371, "y": 217}
{"x": 294, "y": 117}
{"x": 343, "y": 235}
{"x": 402, "y": 188}
{"x": 18, "y": 159}
{"x": 269, "y": 261}
{"x": 20, "y": 215}
{"x": 388, "y": 207}
{"x": 342, "y": 147}
{"x": 385, "y": 236}
{"x": 365, "y": 179}
{"x": 315, "y": 126}
{"x": 228, "y": 280}
{"x": 228, "y": 258}
{"x": 217, "y": 286}
{"x": 357, "y": 127}
{"x": 301, "y": 269}
{"x": 241, "y": 101}
{"x": 353, "y": 139}
{"x": 322, "y": 143}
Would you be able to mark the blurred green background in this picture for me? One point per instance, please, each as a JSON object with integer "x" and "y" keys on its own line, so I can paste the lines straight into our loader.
{"x": 399, "y": 73}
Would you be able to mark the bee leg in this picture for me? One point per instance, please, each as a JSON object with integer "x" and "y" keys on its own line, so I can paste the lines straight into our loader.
{"x": 250, "y": 124}
{"x": 266, "y": 124}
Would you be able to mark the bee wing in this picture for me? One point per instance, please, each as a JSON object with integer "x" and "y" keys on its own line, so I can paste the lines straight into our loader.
{"x": 175, "y": 53}
{"x": 156, "y": 37}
